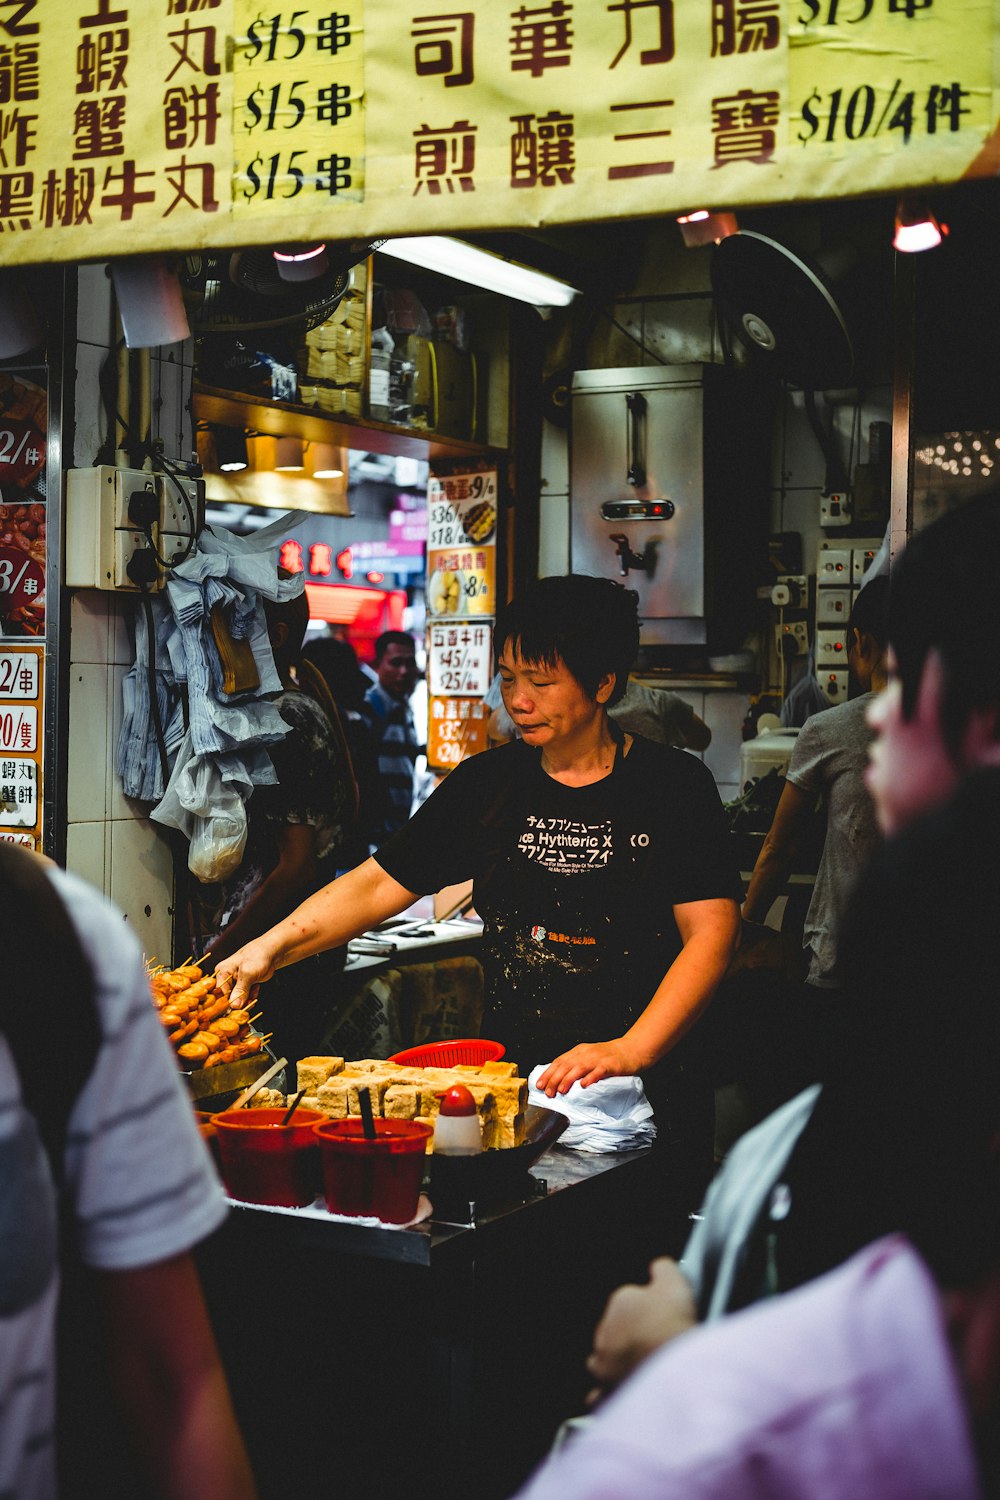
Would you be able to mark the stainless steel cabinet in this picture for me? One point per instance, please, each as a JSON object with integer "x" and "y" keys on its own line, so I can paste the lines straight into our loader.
{"x": 668, "y": 492}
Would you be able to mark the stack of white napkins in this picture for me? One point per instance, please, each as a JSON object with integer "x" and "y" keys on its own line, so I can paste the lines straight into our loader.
{"x": 613, "y": 1115}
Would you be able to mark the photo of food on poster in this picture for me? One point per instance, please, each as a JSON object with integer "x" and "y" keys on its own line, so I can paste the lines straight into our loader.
{"x": 23, "y": 427}
{"x": 461, "y": 544}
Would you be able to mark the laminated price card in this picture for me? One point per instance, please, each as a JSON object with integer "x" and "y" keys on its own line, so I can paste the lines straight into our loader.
{"x": 21, "y": 682}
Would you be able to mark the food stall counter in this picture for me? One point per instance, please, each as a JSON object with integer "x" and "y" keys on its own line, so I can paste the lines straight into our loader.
{"x": 393, "y": 1358}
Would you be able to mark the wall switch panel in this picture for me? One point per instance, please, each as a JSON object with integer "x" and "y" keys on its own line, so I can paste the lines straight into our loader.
{"x": 834, "y": 685}
{"x": 835, "y": 509}
{"x": 791, "y": 639}
{"x": 831, "y": 648}
{"x": 99, "y": 537}
{"x": 177, "y": 518}
{"x": 833, "y": 567}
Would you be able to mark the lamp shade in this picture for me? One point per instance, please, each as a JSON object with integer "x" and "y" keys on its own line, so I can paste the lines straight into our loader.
{"x": 300, "y": 262}
{"x": 150, "y": 302}
{"x": 327, "y": 461}
{"x": 916, "y": 228}
{"x": 702, "y": 227}
{"x": 288, "y": 457}
{"x": 230, "y": 448}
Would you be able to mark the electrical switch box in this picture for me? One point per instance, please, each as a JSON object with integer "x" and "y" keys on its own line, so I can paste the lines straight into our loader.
{"x": 792, "y": 639}
{"x": 862, "y": 557}
{"x": 112, "y": 519}
{"x": 831, "y": 649}
{"x": 182, "y": 515}
{"x": 833, "y": 607}
{"x": 834, "y": 685}
{"x": 833, "y": 567}
{"x": 835, "y": 509}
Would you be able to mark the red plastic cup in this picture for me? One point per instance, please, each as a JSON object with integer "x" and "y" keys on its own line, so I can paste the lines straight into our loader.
{"x": 263, "y": 1161}
{"x": 377, "y": 1179}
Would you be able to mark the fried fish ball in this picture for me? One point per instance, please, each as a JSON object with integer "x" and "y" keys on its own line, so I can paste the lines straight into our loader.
{"x": 195, "y": 1052}
{"x": 225, "y": 1027}
{"x": 209, "y": 1040}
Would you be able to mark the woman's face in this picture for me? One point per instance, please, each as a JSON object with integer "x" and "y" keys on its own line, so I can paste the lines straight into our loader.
{"x": 547, "y": 704}
{"x": 910, "y": 768}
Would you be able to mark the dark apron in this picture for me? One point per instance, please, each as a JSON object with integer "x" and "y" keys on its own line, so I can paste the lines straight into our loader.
{"x": 542, "y": 998}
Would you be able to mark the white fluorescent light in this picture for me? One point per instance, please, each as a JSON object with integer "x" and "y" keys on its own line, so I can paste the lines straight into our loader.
{"x": 480, "y": 268}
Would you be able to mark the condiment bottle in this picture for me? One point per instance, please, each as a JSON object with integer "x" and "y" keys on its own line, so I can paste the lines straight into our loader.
{"x": 458, "y": 1131}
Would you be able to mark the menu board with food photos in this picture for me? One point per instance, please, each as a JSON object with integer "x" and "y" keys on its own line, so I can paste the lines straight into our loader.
{"x": 462, "y": 519}
{"x": 23, "y": 454}
{"x": 23, "y": 425}
{"x": 22, "y": 680}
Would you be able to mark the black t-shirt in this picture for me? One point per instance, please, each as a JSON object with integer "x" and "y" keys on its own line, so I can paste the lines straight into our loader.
{"x": 576, "y": 885}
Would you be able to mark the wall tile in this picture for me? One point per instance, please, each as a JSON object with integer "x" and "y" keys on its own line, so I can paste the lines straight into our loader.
{"x": 555, "y": 459}
{"x": 94, "y": 317}
{"x": 91, "y": 419}
{"x": 171, "y": 416}
{"x": 724, "y": 715}
{"x": 89, "y": 718}
{"x": 90, "y": 626}
{"x": 141, "y": 883}
{"x": 120, "y": 615}
{"x": 86, "y": 852}
{"x": 553, "y": 535}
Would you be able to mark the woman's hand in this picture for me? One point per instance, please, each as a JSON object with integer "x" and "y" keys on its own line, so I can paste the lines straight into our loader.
{"x": 586, "y": 1063}
{"x": 248, "y": 968}
{"x": 637, "y": 1321}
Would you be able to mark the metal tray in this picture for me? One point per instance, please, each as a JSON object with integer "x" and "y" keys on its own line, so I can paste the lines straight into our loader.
{"x": 213, "y": 1084}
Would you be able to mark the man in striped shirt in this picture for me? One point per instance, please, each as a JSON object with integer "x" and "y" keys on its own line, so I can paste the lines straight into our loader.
{"x": 137, "y": 1189}
{"x": 387, "y": 710}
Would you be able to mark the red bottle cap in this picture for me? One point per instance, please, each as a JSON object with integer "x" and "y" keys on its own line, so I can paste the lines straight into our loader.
{"x": 457, "y": 1101}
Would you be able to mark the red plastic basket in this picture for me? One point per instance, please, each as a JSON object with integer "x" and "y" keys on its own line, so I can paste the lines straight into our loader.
{"x": 471, "y": 1051}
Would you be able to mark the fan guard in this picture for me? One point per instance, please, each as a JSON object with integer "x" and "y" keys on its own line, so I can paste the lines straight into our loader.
{"x": 783, "y": 311}
{"x": 230, "y": 292}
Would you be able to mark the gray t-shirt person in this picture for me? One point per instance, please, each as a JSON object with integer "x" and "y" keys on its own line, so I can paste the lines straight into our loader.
{"x": 828, "y": 761}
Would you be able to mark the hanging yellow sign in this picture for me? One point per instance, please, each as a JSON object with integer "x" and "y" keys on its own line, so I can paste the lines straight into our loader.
{"x": 144, "y": 125}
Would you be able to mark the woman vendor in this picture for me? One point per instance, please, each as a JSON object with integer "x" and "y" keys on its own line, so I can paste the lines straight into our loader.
{"x": 601, "y": 868}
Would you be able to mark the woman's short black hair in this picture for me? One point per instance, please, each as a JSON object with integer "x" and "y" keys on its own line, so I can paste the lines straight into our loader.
{"x": 591, "y": 625}
{"x": 945, "y": 598}
{"x": 870, "y": 611}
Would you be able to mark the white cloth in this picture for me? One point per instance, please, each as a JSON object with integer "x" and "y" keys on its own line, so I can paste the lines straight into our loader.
{"x": 613, "y": 1115}
{"x": 140, "y": 1183}
{"x": 842, "y": 1390}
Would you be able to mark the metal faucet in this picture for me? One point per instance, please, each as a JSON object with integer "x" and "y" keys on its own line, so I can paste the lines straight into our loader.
{"x": 627, "y": 558}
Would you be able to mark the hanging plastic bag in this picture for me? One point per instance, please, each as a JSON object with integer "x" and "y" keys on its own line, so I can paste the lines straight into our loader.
{"x": 209, "y": 811}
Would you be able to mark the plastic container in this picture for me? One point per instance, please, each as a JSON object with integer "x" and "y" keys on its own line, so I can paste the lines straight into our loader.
{"x": 768, "y": 752}
{"x": 470, "y": 1051}
{"x": 377, "y": 1178}
{"x": 378, "y": 374}
{"x": 457, "y": 1129}
{"x": 263, "y": 1161}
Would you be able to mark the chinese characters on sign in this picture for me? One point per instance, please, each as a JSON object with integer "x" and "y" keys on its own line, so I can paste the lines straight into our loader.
{"x": 458, "y": 659}
{"x": 213, "y": 122}
{"x": 456, "y": 728}
{"x": 461, "y": 604}
{"x": 461, "y": 544}
{"x": 171, "y": 115}
{"x": 21, "y": 682}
